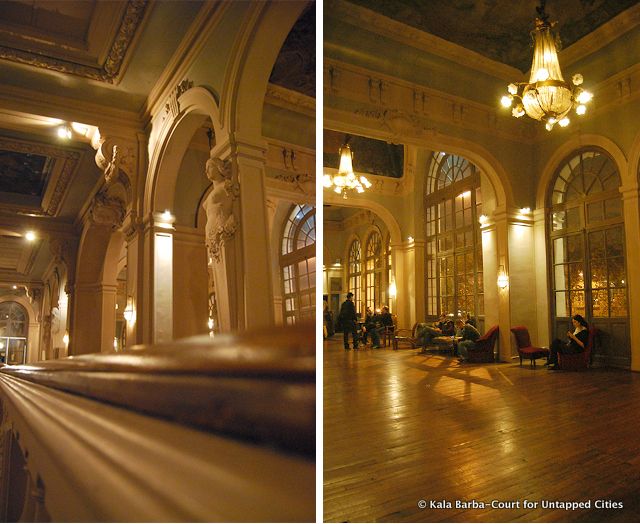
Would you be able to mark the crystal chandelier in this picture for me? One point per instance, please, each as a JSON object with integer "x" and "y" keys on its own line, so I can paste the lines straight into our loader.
{"x": 345, "y": 179}
{"x": 546, "y": 97}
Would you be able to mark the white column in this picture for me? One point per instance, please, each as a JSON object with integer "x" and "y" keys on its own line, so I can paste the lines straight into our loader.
{"x": 631, "y": 207}
{"x": 543, "y": 285}
{"x": 163, "y": 286}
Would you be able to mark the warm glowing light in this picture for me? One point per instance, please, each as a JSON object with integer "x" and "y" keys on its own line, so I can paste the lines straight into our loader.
{"x": 546, "y": 97}
{"x": 410, "y": 239}
{"x": 14, "y": 287}
{"x": 503, "y": 281}
{"x": 525, "y": 210}
{"x": 30, "y": 236}
{"x": 210, "y": 324}
{"x": 166, "y": 216}
{"x": 483, "y": 219}
{"x": 64, "y": 132}
{"x": 129, "y": 310}
{"x": 345, "y": 180}
{"x": 65, "y": 338}
{"x": 393, "y": 291}
{"x": 115, "y": 343}
{"x": 581, "y": 109}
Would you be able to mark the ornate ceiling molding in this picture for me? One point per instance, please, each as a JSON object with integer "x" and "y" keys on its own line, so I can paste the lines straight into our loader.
{"x": 108, "y": 72}
{"x": 291, "y": 100}
{"x": 64, "y": 169}
{"x": 404, "y": 34}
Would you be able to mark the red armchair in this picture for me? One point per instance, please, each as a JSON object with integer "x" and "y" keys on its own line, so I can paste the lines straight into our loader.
{"x": 483, "y": 350}
{"x": 582, "y": 360}
{"x": 525, "y": 349}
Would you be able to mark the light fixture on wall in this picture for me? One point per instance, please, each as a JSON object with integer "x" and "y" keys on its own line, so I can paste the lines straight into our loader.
{"x": 30, "y": 236}
{"x": 503, "y": 278}
{"x": 64, "y": 132}
{"x": 129, "y": 310}
{"x": 393, "y": 290}
{"x": 65, "y": 339}
{"x": 546, "y": 97}
{"x": 345, "y": 179}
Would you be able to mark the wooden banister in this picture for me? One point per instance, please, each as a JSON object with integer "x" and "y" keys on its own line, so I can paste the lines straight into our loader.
{"x": 204, "y": 429}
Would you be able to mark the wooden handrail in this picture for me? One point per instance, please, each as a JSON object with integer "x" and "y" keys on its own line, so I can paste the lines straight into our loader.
{"x": 203, "y": 429}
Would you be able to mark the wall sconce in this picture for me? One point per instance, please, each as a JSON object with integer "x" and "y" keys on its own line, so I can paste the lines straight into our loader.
{"x": 393, "y": 291}
{"x": 129, "y": 310}
{"x": 65, "y": 339}
{"x": 503, "y": 279}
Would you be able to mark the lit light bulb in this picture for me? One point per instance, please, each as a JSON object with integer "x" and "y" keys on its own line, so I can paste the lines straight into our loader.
{"x": 30, "y": 236}
{"x": 548, "y": 126}
{"x": 512, "y": 88}
{"x": 577, "y": 79}
{"x": 506, "y": 101}
{"x": 581, "y": 109}
{"x": 542, "y": 74}
{"x": 518, "y": 111}
{"x": 64, "y": 132}
{"x": 584, "y": 97}
{"x": 326, "y": 181}
{"x": 564, "y": 122}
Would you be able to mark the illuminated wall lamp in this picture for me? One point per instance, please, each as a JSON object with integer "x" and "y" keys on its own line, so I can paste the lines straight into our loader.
{"x": 393, "y": 290}
{"x": 129, "y": 310}
{"x": 503, "y": 279}
{"x": 65, "y": 339}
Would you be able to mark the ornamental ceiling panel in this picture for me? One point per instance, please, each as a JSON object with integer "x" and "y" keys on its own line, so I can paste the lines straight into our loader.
{"x": 295, "y": 65}
{"x": 34, "y": 177}
{"x": 498, "y": 29}
{"x": 375, "y": 157}
{"x": 85, "y": 38}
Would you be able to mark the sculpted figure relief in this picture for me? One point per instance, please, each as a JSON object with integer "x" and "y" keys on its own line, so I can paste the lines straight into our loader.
{"x": 221, "y": 221}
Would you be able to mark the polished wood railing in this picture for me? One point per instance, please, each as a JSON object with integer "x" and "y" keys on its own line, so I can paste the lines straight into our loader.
{"x": 203, "y": 429}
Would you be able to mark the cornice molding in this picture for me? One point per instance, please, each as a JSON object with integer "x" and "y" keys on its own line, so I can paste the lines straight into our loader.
{"x": 291, "y": 100}
{"x": 69, "y": 109}
{"x": 404, "y": 34}
{"x": 397, "y": 108}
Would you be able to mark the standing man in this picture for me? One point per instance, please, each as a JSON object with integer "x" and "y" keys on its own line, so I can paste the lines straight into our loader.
{"x": 348, "y": 320}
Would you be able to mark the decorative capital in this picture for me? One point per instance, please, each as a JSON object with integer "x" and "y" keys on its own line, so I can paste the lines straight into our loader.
{"x": 172, "y": 106}
{"x": 107, "y": 211}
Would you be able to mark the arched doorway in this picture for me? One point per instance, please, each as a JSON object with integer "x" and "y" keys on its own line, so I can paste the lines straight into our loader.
{"x": 14, "y": 326}
{"x": 587, "y": 251}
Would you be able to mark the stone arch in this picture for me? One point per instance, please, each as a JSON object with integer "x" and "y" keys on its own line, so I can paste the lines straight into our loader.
{"x": 570, "y": 146}
{"x": 196, "y": 105}
{"x": 33, "y": 325}
{"x": 380, "y": 210}
{"x": 267, "y": 26}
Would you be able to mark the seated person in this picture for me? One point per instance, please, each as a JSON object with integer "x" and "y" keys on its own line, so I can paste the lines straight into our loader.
{"x": 471, "y": 320}
{"x": 371, "y": 327}
{"x": 445, "y": 325}
{"x": 576, "y": 343}
{"x": 425, "y": 334}
{"x": 385, "y": 317}
{"x": 368, "y": 321}
{"x": 469, "y": 336}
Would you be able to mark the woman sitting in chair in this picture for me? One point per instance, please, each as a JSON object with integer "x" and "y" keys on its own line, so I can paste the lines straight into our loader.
{"x": 576, "y": 343}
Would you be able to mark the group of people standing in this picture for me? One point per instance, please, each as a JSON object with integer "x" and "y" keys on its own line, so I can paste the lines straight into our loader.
{"x": 374, "y": 323}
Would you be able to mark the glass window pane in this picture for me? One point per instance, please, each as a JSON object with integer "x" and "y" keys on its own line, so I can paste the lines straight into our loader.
{"x": 577, "y": 303}
{"x": 575, "y": 250}
{"x": 613, "y": 208}
{"x": 596, "y": 244}
{"x": 600, "y": 303}
{"x": 576, "y": 276}
{"x": 561, "y": 276}
{"x": 574, "y": 220}
{"x": 559, "y": 252}
{"x": 614, "y": 242}
{"x": 562, "y": 304}
{"x": 598, "y": 273}
{"x": 558, "y": 221}
{"x": 617, "y": 277}
{"x": 595, "y": 212}
{"x": 618, "y": 303}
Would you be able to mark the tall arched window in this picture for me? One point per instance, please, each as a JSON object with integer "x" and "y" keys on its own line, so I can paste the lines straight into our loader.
{"x": 453, "y": 204}
{"x": 14, "y": 325}
{"x": 373, "y": 270}
{"x": 355, "y": 272}
{"x": 587, "y": 250}
{"x": 298, "y": 262}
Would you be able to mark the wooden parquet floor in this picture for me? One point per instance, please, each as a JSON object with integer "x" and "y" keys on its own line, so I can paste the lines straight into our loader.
{"x": 400, "y": 428}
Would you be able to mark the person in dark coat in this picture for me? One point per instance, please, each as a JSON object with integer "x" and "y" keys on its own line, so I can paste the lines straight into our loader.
{"x": 577, "y": 342}
{"x": 348, "y": 319}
